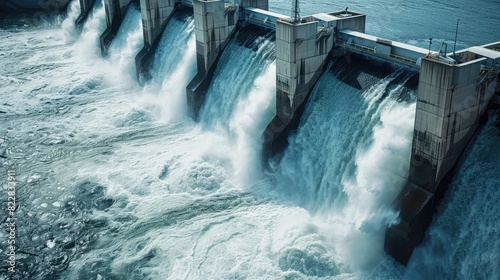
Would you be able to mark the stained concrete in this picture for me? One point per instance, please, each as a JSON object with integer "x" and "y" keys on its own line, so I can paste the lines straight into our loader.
{"x": 451, "y": 100}
{"x": 85, "y": 8}
{"x": 215, "y": 24}
{"x": 155, "y": 16}
{"x": 302, "y": 50}
{"x": 115, "y": 11}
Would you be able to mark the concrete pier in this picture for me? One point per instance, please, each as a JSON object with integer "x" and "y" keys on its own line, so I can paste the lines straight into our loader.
{"x": 215, "y": 24}
{"x": 453, "y": 94}
{"x": 115, "y": 11}
{"x": 155, "y": 16}
{"x": 85, "y": 8}
{"x": 454, "y": 90}
{"x": 302, "y": 51}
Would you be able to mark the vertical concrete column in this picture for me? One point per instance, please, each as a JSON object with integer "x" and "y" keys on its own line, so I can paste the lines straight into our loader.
{"x": 451, "y": 100}
{"x": 211, "y": 30}
{"x": 214, "y": 26}
{"x": 450, "y": 103}
{"x": 301, "y": 53}
{"x": 259, "y": 4}
{"x": 115, "y": 11}
{"x": 155, "y": 16}
{"x": 85, "y": 8}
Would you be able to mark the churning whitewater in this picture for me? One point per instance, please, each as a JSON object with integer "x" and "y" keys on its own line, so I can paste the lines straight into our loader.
{"x": 115, "y": 181}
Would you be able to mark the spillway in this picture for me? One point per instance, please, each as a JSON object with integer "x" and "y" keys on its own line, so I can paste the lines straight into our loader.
{"x": 127, "y": 43}
{"x": 241, "y": 63}
{"x": 472, "y": 226}
{"x": 351, "y": 148}
{"x": 117, "y": 182}
{"x": 174, "y": 65}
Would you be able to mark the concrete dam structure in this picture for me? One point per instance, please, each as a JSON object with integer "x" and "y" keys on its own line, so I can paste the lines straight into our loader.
{"x": 215, "y": 24}
{"x": 454, "y": 92}
{"x": 155, "y": 16}
{"x": 115, "y": 12}
{"x": 85, "y": 8}
{"x": 454, "y": 89}
{"x": 303, "y": 47}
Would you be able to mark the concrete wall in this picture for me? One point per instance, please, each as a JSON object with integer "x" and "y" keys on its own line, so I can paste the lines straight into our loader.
{"x": 415, "y": 207}
{"x": 449, "y": 105}
{"x": 450, "y": 102}
{"x": 301, "y": 53}
{"x": 214, "y": 26}
{"x": 260, "y": 4}
{"x": 298, "y": 59}
{"x": 155, "y": 16}
{"x": 115, "y": 11}
{"x": 85, "y": 8}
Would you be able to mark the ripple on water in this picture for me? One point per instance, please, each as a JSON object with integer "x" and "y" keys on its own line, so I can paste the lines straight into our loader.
{"x": 202, "y": 178}
{"x": 311, "y": 261}
{"x": 60, "y": 229}
{"x": 135, "y": 117}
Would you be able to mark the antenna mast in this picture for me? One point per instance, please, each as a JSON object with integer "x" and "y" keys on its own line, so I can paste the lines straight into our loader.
{"x": 456, "y": 34}
{"x": 295, "y": 11}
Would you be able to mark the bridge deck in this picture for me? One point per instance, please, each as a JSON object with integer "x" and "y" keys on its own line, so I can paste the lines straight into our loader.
{"x": 365, "y": 44}
{"x": 262, "y": 18}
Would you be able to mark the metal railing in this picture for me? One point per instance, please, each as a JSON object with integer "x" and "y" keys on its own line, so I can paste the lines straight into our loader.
{"x": 403, "y": 59}
{"x": 356, "y": 46}
{"x": 353, "y": 46}
{"x": 260, "y": 22}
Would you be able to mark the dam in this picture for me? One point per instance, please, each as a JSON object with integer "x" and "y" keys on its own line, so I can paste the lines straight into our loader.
{"x": 455, "y": 88}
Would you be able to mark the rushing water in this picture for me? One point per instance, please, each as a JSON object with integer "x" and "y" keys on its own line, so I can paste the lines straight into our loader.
{"x": 116, "y": 182}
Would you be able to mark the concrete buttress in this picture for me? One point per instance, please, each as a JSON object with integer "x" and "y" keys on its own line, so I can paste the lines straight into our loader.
{"x": 301, "y": 53}
{"x": 85, "y": 8}
{"x": 215, "y": 23}
{"x": 450, "y": 102}
{"x": 115, "y": 11}
{"x": 155, "y": 16}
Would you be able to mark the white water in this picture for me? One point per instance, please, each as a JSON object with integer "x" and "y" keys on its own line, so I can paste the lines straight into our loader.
{"x": 190, "y": 200}
{"x": 239, "y": 106}
{"x": 239, "y": 67}
{"x": 172, "y": 70}
{"x": 68, "y": 25}
{"x": 462, "y": 242}
{"x": 125, "y": 46}
{"x": 87, "y": 47}
{"x": 346, "y": 164}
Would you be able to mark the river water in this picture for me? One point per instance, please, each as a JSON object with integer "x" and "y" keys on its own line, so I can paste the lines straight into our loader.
{"x": 115, "y": 181}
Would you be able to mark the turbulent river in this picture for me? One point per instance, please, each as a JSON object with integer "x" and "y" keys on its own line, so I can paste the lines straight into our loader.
{"x": 115, "y": 181}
